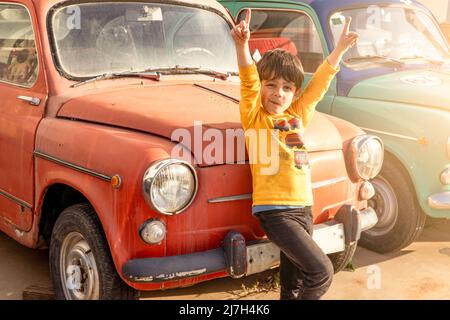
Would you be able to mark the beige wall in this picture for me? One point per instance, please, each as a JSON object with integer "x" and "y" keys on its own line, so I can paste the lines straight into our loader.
{"x": 440, "y": 8}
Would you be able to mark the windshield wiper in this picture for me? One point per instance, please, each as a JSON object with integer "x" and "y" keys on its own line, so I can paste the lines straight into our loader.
{"x": 193, "y": 70}
{"x": 112, "y": 75}
{"x": 430, "y": 60}
{"x": 384, "y": 58}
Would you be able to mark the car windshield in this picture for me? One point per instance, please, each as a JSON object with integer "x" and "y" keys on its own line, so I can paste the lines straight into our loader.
{"x": 389, "y": 34}
{"x": 99, "y": 38}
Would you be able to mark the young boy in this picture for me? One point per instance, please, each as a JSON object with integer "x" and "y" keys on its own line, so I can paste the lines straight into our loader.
{"x": 282, "y": 200}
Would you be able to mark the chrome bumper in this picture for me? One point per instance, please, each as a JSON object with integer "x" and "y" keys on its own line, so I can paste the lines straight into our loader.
{"x": 330, "y": 236}
{"x": 440, "y": 201}
{"x": 256, "y": 257}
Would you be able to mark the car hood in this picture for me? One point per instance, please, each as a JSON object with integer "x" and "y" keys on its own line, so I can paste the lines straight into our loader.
{"x": 187, "y": 108}
{"x": 427, "y": 88}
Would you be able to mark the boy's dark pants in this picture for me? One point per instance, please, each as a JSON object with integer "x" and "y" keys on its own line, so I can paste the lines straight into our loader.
{"x": 305, "y": 271}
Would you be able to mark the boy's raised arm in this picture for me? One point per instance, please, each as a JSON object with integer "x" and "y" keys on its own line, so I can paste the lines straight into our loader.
{"x": 250, "y": 84}
{"x": 321, "y": 80}
{"x": 241, "y": 36}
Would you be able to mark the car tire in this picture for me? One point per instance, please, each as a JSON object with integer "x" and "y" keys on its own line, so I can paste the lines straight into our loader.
{"x": 341, "y": 259}
{"x": 400, "y": 218}
{"x": 81, "y": 265}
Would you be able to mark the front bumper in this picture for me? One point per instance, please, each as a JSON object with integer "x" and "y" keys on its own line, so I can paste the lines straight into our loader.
{"x": 331, "y": 236}
{"x": 440, "y": 201}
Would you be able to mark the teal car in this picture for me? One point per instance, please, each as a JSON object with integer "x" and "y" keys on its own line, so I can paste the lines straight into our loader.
{"x": 395, "y": 83}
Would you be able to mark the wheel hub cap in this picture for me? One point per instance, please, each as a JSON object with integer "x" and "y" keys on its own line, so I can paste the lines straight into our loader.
{"x": 78, "y": 269}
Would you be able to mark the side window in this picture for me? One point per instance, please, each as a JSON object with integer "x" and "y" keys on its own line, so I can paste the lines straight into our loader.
{"x": 290, "y": 30}
{"x": 18, "y": 57}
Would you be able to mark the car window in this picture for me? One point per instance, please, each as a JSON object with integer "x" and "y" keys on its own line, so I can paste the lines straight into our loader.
{"x": 18, "y": 57}
{"x": 133, "y": 36}
{"x": 290, "y": 30}
{"x": 401, "y": 33}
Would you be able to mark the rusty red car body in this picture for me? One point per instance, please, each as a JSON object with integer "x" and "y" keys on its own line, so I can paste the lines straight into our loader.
{"x": 93, "y": 143}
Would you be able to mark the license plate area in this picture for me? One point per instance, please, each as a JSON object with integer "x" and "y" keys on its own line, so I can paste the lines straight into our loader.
{"x": 265, "y": 255}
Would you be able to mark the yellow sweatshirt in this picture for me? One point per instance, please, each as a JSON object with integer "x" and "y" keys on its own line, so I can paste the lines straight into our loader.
{"x": 278, "y": 157}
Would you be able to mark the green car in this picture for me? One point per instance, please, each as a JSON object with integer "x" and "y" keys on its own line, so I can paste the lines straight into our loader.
{"x": 395, "y": 83}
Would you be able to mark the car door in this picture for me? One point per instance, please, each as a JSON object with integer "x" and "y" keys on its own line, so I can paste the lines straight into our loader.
{"x": 291, "y": 27}
{"x": 23, "y": 93}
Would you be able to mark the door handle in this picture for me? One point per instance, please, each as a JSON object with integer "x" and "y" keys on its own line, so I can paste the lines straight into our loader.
{"x": 31, "y": 100}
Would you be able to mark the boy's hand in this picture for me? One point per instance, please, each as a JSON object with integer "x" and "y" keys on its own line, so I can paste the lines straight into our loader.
{"x": 348, "y": 38}
{"x": 241, "y": 36}
{"x": 241, "y": 32}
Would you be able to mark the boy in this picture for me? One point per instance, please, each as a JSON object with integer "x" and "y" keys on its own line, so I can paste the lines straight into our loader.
{"x": 282, "y": 200}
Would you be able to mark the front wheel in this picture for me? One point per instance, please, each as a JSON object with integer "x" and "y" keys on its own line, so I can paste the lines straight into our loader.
{"x": 400, "y": 218}
{"x": 80, "y": 262}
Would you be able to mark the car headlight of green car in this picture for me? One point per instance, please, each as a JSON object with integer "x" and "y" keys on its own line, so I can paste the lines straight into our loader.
{"x": 445, "y": 177}
{"x": 170, "y": 186}
{"x": 368, "y": 155}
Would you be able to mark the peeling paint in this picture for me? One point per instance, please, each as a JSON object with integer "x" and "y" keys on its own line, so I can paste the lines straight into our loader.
{"x": 183, "y": 274}
{"x": 170, "y": 276}
{"x": 143, "y": 279}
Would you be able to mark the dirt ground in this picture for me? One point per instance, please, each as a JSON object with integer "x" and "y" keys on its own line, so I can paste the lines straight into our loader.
{"x": 420, "y": 271}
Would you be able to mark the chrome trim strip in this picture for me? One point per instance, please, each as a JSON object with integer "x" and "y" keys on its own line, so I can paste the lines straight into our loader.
{"x": 231, "y": 198}
{"x": 440, "y": 201}
{"x": 73, "y": 166}
{"x": 246, "y": 196}
{"x": 392, "y": 134}
{"x": 16, "y": 200}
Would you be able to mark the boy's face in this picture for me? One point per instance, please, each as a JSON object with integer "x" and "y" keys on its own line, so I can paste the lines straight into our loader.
{"x": 277, "y": 95}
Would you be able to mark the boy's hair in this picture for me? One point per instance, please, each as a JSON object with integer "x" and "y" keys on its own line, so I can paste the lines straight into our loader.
{"x": 281, "y": 63}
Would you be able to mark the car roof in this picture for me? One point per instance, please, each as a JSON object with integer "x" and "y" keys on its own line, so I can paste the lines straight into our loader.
{"x": 324, "y": 7}
{"x": 333, "y": 4}
{"x": 203, "y": 3}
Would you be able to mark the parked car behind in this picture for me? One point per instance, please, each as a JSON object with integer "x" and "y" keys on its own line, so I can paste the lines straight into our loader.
{"x": 111, "y": 118}
{"x": 394, "y": 84}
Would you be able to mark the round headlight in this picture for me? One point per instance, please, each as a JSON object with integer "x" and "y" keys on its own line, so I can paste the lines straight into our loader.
{"x": 170, "y": 186}
{"x": 369, "y": 154}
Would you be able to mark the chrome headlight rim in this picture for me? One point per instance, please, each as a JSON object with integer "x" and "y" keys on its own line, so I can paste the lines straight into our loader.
{"x": 356, "y": 145}
{"x": 152, "y": 172}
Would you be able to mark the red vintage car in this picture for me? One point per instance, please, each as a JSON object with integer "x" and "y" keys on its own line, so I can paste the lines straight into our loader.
{"x": 112, "y": 115}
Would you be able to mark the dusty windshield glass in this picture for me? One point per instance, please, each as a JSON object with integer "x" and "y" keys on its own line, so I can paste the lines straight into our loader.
{"x": 398, "y": 33}
{"x": 97, "y": 38}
